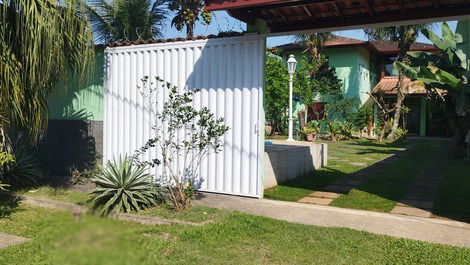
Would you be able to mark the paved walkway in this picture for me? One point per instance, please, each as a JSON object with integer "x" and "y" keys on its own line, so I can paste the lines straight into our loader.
{"x": 345, "y": 184}
{"x": 423, "y": 229}
{"x": 7, "y": 240}
{"x": 422, "y": 192}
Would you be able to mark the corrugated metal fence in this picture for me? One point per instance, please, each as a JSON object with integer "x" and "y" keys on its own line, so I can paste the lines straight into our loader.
{"x": 229, "y": 72}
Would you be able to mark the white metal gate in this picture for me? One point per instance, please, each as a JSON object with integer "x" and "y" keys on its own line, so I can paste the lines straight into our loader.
{"x": 229, "y": 72}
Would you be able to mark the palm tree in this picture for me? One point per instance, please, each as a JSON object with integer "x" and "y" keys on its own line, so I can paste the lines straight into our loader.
{"x": 314, "y": 43}
{"x": 41, "y": 42}
{"x": 126, "y": 20}
{"x": 405, "y": 36}
{"x": 187, "y": 12}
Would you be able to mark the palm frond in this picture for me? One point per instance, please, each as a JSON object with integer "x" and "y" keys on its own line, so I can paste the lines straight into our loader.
{"x": 41, "y": 43}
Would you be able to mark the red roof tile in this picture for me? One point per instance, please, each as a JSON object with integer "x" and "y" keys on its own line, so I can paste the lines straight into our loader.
{"x": 150, "y": 41}
{"x": 388, "y": 86}
{"x": 379, "y": 46}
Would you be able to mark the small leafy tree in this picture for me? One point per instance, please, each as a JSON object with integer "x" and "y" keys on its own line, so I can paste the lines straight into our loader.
{"x": 187, "y": 13}
{"x": 447, "y": 71}
{"x": 277, "y": 93}
{"x": 405, "y": 35}
{"x": 181, "y": 133}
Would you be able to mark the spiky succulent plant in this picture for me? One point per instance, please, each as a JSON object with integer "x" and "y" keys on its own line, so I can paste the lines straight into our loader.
{"x": 123, "y": 186}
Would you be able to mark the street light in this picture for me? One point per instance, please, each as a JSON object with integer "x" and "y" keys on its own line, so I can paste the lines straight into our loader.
{"x": 291, "y": 64}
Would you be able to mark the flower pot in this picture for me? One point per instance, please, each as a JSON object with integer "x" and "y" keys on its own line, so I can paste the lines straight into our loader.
{"x": 311, "y": 137}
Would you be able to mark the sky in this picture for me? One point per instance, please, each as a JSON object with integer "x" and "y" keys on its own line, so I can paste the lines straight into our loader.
{"x": 223, "y": 22}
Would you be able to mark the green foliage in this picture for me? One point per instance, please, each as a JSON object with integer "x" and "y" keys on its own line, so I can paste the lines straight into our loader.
{"x": 25, "y": 169}
{"x": 277, "y": 92}
{"x": 5, "y": 159}
{"x": 362, "y": 117}
{"x": 41, "y": 43}
{"x": 126, "y": 20}
{"x": 401, "y": 133}
{"x": 316, "y": 78}
{"x": 346, "y": 130}
{"x": 187, "y": 12}
{"x": 123, "y": 186}
{"x": 182, "y": 133}
{"x": 342, "y": 108}
{"x": 447, "y": 71}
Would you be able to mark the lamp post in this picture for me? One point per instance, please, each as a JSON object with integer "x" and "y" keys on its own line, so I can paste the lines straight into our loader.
{"x": 291, "y": 64}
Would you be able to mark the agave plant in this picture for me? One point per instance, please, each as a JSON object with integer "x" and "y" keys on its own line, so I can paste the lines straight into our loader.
{"x": 24, "y": 169}
{"x": 123, "y": 186}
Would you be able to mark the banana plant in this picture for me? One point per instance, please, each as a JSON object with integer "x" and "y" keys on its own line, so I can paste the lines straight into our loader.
{"x": 446, "y": 71}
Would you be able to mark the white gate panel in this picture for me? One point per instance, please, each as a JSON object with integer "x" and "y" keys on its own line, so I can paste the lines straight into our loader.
{"x": 229, "y": 72}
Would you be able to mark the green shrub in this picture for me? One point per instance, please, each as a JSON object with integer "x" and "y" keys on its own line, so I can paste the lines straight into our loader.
{"x": 401, "y": 134}
{"x": 346, "y": 130}
{"x": 123, "y": 186}
{"x": 334, "y": 128}
{"x": 25, "y": 169}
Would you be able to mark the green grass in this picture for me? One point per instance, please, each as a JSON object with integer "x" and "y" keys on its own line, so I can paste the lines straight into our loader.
{"x": 303, "y": 186}
{"x": 454, "y": 192}
{"x": 58, "y": 238}
{"x": 380, "y": 191}
{"x": 196, "y": 214}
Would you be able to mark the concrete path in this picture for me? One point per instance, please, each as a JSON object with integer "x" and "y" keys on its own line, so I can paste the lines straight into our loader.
{"x": 7, "y": 240}
{"x": 423, "y": 229}
{"x": 422, "y": 192}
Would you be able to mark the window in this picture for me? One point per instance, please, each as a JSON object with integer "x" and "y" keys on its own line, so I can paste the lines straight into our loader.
{"x": 389, "y": 68}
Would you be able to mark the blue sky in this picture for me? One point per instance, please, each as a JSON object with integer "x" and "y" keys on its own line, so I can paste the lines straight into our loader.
{"x": 223, "y": 22}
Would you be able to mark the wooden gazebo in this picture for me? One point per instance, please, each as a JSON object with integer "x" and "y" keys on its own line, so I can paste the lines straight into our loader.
{"x": 299, "y": 15}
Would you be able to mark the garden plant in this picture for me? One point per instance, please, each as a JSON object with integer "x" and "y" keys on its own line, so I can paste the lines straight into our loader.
{"x": 180, "y": 133}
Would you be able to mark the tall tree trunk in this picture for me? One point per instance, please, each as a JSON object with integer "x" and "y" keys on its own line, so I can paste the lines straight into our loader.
{"x": 398, "y": 106}
{"x": 402, "y": 57}
{"x": 190, "y": 30}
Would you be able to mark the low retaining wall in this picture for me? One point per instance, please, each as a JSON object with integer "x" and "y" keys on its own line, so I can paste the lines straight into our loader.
{"x": 288, "y": 160}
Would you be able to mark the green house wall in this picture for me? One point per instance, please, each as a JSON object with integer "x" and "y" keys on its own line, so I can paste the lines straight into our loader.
{"x": 353, "y": 68}
{"x": 81, "y": 102}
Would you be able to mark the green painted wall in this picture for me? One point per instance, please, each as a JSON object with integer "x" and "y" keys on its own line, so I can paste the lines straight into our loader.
{"x": 353, "y": 68}
{"x": 81, "y": 102}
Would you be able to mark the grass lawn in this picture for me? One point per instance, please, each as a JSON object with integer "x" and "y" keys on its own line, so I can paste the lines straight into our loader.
{"x": 59, "y": 238}
{"x": 454, "y": 192}
{"x": 380, "y": 190}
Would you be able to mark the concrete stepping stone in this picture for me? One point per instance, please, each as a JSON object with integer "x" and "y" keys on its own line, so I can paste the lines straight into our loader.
{"x": 312, "y": 200}
{"x": 417, "y": 204}
{"x": 359, "y": 164}
{"x": 403, "y": 210}
{"x": 339, "y": 188}
{"x": 323, "y": 194}
{"x": 7, "y": 240}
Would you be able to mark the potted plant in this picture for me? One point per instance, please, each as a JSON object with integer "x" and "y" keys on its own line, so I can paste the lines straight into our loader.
{"x": 309, "y": 134}
{"x": 311, "y": 131}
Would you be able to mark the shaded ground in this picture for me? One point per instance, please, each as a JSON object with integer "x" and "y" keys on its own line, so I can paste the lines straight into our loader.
{"x": 405, "y": 176}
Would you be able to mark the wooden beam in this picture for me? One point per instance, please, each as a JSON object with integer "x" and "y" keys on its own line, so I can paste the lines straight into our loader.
{"x": 370, "y": 7}
{"x": 338, "y": 11}
{"x": 364, "y": 21}
{"x": 402, "y": 6}
{"x": 305, "y": 8}
{"x": 437, "y": 4}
